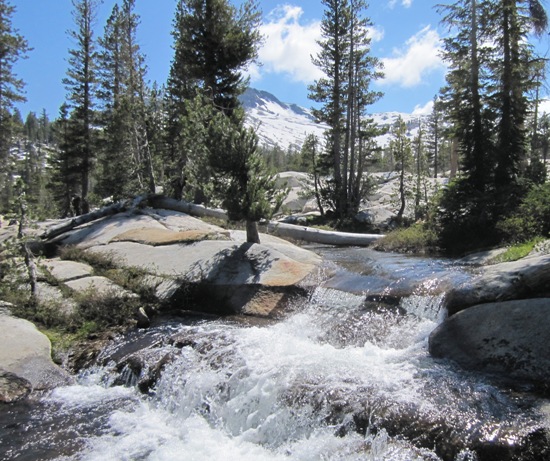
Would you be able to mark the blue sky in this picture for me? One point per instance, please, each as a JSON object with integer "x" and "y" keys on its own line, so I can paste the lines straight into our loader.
{"x": 406, "y": 37}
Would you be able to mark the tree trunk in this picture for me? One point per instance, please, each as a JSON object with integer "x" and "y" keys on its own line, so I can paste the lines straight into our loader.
{"x": 454, "y": 158}
{"x": 252, "y": 234}
{"x": 401, "y": 211}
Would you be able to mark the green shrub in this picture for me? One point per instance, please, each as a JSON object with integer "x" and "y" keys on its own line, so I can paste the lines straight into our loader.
{"x": 104, "y": 310}
{"x": 532, "y": 218}
{"x": 465, "y": 219}
{"x": 515, "y": 252}
{"x": 100, "y": 262}
{"x": 417, "y": 238}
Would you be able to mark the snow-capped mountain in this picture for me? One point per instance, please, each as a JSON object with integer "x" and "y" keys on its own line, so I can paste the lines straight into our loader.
{"x": 278, "y": 123}
{"x": 287, "y": 125}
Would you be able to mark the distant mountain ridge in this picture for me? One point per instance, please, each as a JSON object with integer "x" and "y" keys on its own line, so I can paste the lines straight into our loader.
{"x": 286, "y": 125}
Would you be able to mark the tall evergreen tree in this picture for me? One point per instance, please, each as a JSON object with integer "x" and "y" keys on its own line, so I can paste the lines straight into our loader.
{"x": 81, "y": 84}
{"x": 64, "y": 180}
{"x": 127, "y": 158}
{"x": 13, "y": 47}
{"x": 401, "y": 148}
{"x": 434, "y": 134}
{"x": 310, "y": 156}
{"x": 513, "y": 21}
{"x": 213, "y": 43}
{"x": 491, "y": 67}
{"x": 345, "y": 95}
{"x": 467, "y": 86}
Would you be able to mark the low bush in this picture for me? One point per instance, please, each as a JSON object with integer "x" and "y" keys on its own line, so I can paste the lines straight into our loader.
{"x": 532, "y": 218}
{"x": 418, "y": 238}
{"x": 100, "y": 262}
{"x": 104, "y": 310}
{"x": 518, "y": 251}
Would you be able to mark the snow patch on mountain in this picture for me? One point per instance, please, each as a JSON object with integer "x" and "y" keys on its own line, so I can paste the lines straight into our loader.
{"x": 278, "y": 123}
{"x": 287, "y": 125}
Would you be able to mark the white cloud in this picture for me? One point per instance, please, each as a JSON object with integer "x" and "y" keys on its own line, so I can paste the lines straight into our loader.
{"x": 288, "y": 46}
{"x": 405, "y": 3}
{"x": 376, "y": 34}
{"x": 426, "y": 109}
{"x": 544, "y": 106}
{"x": 410, "y": 65}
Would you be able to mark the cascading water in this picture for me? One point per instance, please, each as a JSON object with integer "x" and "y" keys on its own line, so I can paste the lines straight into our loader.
{"x": 344, "y": 377}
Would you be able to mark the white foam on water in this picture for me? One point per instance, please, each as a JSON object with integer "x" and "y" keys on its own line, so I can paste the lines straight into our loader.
{"x": 255, "y": 394}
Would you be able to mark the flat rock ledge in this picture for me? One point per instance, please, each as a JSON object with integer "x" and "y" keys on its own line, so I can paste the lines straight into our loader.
{"x": 510, "y": 338}
{"x": 187, "y": 260}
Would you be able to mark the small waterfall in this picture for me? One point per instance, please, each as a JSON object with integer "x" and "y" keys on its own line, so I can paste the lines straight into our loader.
{"x": 341, "y": 378}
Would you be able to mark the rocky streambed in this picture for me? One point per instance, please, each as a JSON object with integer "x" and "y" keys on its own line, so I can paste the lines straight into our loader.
{"x": 297, "y": 344}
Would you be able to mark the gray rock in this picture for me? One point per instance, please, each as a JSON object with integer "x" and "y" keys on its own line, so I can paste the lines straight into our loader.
{"x": 510, "y": 338}
{"x": 230, "y": 276}
{"x": 98, "y": 285}
{"x": 13, "y": 387}
{"x": 527, "y": 277}
{"x": 179, "y": 222}
{"x": 102, "y": 231}
{"x": 26, "y": 352}
{"x": 63, "y": 270}
{"x": 482, "y": 257}
{"x": 52, "y": 297}
{"x": 180, "y": 253}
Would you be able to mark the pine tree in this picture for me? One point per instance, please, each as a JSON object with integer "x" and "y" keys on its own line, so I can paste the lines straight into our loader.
{"x": 32, "y": 127}
{"x": 310, "y": 156}
{"x": 345, "y": 94}
{"x": 434, "y": 134}
{"x": 64, "y": 180}
{"x": 401, "y": 149}
{"x": 13, "y": 47}
{"x": 213, "y": 44}
{"x": 127, "y": 159}
{"x": 81, "y": 84}
{"x": 465, "y": 97}
{"x": 513, "y": 69}
{"x": 247, "y": 189}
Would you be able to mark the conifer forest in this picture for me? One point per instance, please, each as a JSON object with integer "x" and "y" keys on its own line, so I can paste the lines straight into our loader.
{"x": 118, "y": 135}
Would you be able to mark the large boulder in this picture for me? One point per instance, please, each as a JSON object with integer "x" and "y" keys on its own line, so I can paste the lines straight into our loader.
{"x": 526, "y": 278}
{"x": 510, "y": 338}
{"x": 25, "y": 360}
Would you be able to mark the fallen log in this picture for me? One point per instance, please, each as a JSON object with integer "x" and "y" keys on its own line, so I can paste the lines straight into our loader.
{"x": 306, "y": 234}
{"x": 312, "y": 235}
{"x": 70, "y": 224}
{"x": 159, "y": 201}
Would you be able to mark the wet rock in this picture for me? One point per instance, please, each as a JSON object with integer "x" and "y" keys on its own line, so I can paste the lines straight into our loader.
{"x": 526, "y": 278}
{"x": 13, "y": 388}
{"x": 26, "y": 352}
{"x": 143, "y": 320}
{"x": 510, "y": 338}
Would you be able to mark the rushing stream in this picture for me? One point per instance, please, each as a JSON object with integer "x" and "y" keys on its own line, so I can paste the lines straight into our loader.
{"x": 344, "y": 376}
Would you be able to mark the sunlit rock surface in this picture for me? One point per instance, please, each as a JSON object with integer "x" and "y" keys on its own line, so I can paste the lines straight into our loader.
{"x": 25, "y": 360}
{"x": 187, "y": 258}
{"x": 526, "y": 278}
{"x": 510, "y": 338}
